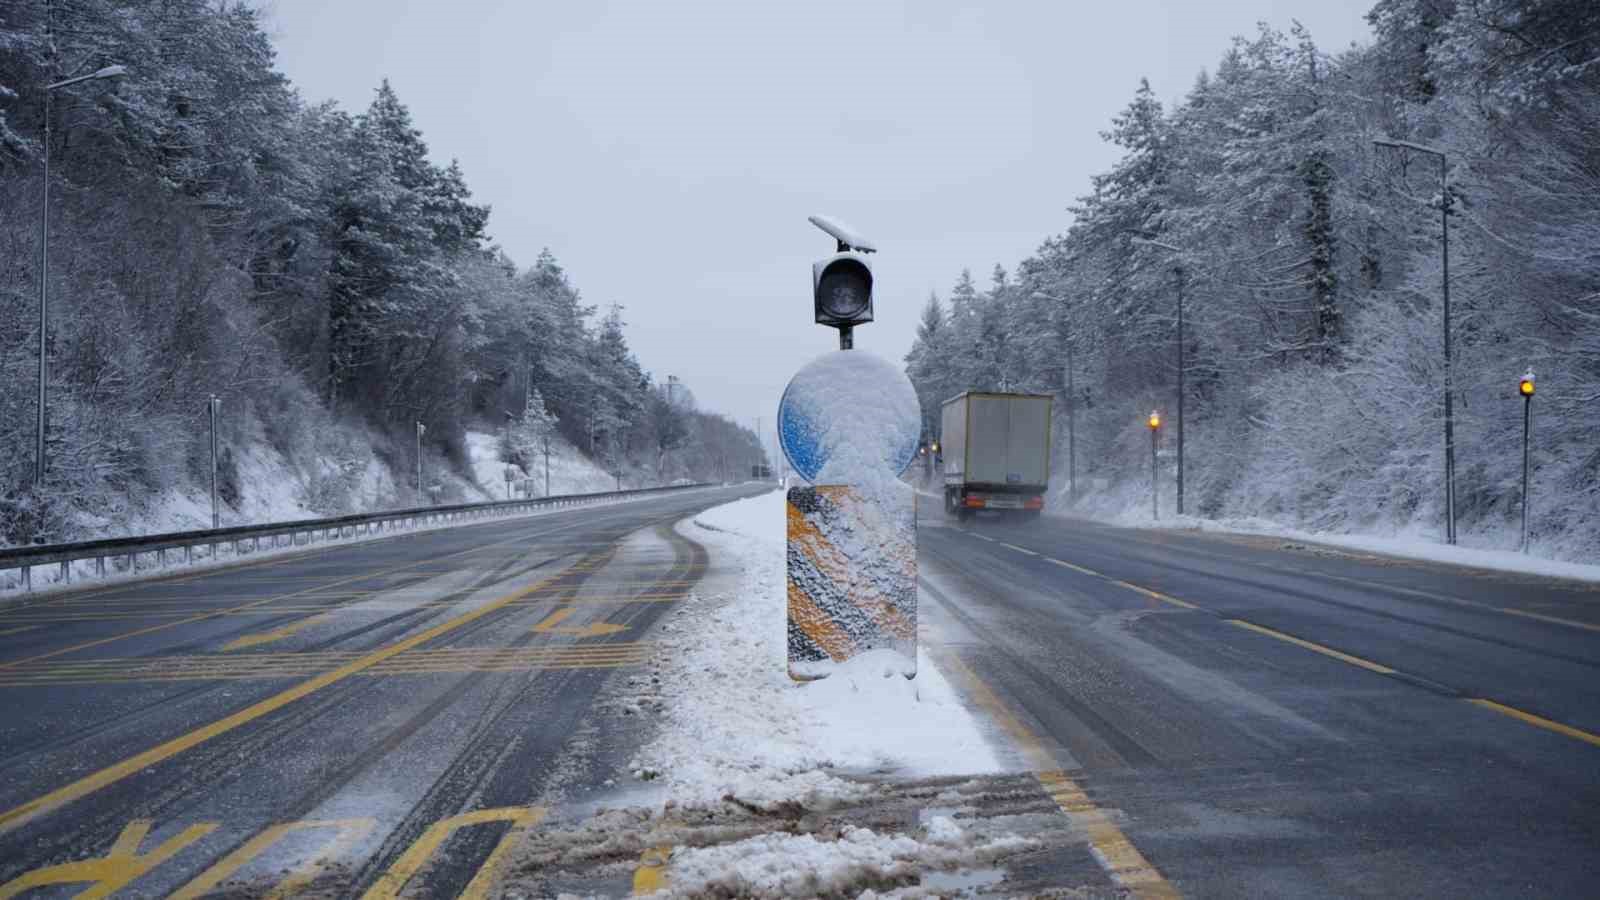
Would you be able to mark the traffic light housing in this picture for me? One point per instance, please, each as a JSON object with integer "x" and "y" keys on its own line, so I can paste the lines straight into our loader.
{"x": 1525, "y": 386}
{"x": 1155, "y": 421}
{"x": 841, "y": 289}
{"x": 841, "y": 284}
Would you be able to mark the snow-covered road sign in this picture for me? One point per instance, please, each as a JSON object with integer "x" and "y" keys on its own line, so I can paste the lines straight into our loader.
{"x": 849, "y": 423}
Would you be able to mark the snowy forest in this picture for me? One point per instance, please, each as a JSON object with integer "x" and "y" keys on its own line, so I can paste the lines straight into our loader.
{"x": 212, "y": 232}
{"x": 1309, "y": 263}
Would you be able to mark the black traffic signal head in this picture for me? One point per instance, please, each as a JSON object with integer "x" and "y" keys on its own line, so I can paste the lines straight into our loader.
{"x": 841, "y": 286}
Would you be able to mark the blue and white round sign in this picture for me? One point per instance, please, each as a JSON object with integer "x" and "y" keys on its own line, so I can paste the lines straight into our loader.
{"x": 849, "y": 417}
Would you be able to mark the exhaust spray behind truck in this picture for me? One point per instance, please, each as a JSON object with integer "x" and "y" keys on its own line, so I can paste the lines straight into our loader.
{"x": 996, "y": 453}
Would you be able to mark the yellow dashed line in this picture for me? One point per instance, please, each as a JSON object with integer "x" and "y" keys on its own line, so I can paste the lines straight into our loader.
{"x": 1079, "y": 569}
{"x": 1313, "y": 647}
{"x": 1536, "y": 721}
{"x": 1553, "y": 619}
{"x": 1156, "y": 595}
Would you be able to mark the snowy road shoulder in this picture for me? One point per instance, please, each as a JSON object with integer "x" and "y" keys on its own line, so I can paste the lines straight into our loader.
{"x": 736, "y": 725}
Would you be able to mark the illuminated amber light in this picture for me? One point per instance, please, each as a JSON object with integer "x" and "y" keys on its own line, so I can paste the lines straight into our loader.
{"x": 1155, "y": 420}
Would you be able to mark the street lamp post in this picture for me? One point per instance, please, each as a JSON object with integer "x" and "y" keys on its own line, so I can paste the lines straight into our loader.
{"x": 44, "y": 259}
{"x": 421, "y": 430}
{"x": 213, "y": 405}
{"x": 1177, "y": 272}
{"x": 1525, "y": 388}
{"x": 1072, "y": 404}
{"x": 1155, "y": 493}
{"x": 1449, "y": 404}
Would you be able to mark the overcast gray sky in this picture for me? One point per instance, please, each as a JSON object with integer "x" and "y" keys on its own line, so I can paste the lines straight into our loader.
{"x": 669, "y": 153}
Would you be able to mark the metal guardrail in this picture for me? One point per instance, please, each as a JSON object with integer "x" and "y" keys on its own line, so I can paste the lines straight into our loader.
{"x": 130, "y": 549}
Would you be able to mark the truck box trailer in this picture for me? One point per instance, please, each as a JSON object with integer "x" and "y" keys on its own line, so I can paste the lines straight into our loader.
{"x": 996, "y": 452}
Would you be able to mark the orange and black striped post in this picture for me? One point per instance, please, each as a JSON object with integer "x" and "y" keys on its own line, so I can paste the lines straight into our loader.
{"x": 852, "y": 577}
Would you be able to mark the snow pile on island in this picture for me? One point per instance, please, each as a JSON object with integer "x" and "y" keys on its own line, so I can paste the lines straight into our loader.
{"x": 737, "y": 728}
{"x": 790, "y": 865}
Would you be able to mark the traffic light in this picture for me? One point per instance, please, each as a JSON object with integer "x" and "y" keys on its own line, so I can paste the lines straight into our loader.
{"x": 1525, "y": 387}
{"x": 1155, "y": 420}
{"x": 841, "y": 284}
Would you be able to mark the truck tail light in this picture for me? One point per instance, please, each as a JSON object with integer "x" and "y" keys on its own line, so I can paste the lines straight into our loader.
{"x": 1033, "y": 503}
{"x": 974, "y": 502}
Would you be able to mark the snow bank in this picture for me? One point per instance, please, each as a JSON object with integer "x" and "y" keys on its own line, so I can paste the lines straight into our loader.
{"x": 1129, "y": 505}
{"x": 738, "y": 728}
{"x": 787, "y": 865}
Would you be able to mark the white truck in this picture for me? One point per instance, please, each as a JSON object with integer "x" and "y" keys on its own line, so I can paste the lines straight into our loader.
{"x": 996, "y": 450}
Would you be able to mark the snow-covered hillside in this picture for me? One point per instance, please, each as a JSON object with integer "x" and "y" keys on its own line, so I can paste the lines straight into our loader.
{"x": 570, "y": 471}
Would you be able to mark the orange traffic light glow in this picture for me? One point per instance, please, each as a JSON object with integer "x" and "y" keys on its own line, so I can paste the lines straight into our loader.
{"x": 1527, "y": 387}
{"x": 1155, "y": 420}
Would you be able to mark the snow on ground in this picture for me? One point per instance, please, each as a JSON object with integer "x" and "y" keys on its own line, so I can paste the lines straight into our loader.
{"x": 737, "y": 727}
{"x": 789, "y": 865}
{"x": 570, "y": 471}
{"x": 1131, "y": 508}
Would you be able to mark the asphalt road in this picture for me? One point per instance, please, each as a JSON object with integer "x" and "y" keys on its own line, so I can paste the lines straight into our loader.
{"x": 1233, "y": 717}
{"x": 364, "y": 719}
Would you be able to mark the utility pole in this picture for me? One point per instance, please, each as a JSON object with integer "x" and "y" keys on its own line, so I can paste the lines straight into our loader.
{"x": 213, "y": 404}
{"x": 44, "y": 262}
{"x": 1449, "y": 386}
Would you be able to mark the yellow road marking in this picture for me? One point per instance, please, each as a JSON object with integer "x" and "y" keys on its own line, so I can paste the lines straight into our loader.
{"x": 349, "y": 831}
{"x": 1111, "y": 848}
{"x": 412, "y": 861}
{"x": 1313, "y": 647}
{"x": 1536, "y": 721}
{"x": 253, "y": 604}
{"x": 1155, "y": 595}
{"x": 276, "y": 634}
{"x": 121, "y": 865}
{"x": 1079, "y": 569}
{"x": 552, "y": 625}
{"x": 651, "y": 873}
{"x": 88, "y": 784}
{"x": 1544, "y": 618}
{"x": 1018, "y": 549}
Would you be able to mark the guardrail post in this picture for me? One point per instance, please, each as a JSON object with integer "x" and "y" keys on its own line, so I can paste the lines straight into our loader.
{"x": 100, "y": 565}
{"x": 27, "y": 578}
{"x": 161, "y": 558}
{"x": 66, "y": 571}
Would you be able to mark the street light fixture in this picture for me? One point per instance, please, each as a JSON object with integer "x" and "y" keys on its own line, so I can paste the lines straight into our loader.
{"x": 1072, "y": 403}
{"x": 44, "y": 258}
{"x": 1449, "y": 405}
{"x": 1525, "y": 388}
{"x": 1177, "y": 271}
